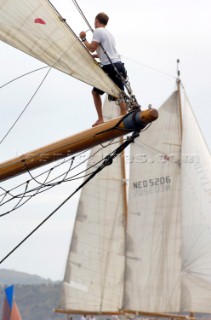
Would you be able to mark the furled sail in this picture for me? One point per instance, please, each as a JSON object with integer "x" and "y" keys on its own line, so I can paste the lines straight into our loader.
{"x": 95, "y": 266}
{"x": 36, "y": 28}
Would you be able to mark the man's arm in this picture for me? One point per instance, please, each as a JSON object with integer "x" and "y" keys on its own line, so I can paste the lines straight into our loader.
{"x": 90, "y": 46}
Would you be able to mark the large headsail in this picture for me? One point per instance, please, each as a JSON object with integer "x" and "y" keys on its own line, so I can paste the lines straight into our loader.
{"x": 95, "y": 266}
{"x": 35, "y": 27}
{"x": 153, "y": 239}
{"x": 168, "y": 244}
{"x": 196, "y": 217}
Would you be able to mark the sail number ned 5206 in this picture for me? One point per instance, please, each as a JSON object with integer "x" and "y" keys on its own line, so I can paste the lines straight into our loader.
{"x": 151, "y": 182}
{"x": 153, "y": 185}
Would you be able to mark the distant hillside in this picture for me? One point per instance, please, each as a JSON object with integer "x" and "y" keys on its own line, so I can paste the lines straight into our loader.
{"x": 36, "y": 297}
{"x": 8, "y": 277}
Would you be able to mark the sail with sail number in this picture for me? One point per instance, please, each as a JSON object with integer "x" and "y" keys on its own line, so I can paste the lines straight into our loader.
{"x": 161, "y": 263}
{"x": 157, "y": 259}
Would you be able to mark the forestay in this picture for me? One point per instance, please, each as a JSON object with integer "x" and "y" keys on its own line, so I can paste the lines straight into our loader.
{"x": 95, "y": 266}
{"x": 35, "y": 27}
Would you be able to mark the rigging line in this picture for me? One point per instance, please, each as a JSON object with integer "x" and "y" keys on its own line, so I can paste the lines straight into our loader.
{"x": 8, "y": 192}
{"x": 50, "y": 184}
{"x": 18, "y": 205}
{"x": 26, "y": 106}
{"x": 40, "y": 174}
{"x": 34, "y": 94}
{"x": 34, "y": 178}
{"x": 119, "y": 74}
{"x": 21, "y": 198}
{"x": 4, "y": 196}
{"x": 23, "y": 75}
{"x": 107, "y": 161}
{"x": 23, "y": 195}
{"x": 82, "y": 14}
{"x": 71, "y": 168}
{"x": 149, "y": 67}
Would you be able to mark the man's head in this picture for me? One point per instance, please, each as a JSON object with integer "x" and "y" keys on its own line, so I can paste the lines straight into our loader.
{"x": 101, "y": 19}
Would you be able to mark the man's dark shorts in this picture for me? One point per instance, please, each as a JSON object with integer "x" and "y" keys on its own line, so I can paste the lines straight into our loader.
{"x": 109, "y": 69}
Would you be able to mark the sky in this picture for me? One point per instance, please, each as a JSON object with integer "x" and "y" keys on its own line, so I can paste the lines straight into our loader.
{"x": 151, "y": 35}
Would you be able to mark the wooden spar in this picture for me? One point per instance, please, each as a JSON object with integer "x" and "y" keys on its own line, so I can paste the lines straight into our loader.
{"x": 179, "y": 97}
{"x": 124, "y": 186}
{"x": 87, "y": 139}
{"x": 127, "y": 312}
{"x": 180, "y": 105}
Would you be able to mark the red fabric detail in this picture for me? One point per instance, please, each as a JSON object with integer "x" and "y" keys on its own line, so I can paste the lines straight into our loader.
{"x": 39, "y": 20}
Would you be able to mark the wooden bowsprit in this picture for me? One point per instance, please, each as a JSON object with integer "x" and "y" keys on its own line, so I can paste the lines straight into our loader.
{"x": 134, "y": 121}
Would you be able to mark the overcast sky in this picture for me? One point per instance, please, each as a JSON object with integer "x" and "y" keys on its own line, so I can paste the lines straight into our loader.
{"x": 151, "y": 35}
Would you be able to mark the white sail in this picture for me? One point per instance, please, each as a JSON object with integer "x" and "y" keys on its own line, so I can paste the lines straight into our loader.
{"x": 95, "y": 266}
{"x": 163, "y": 265}
{"x": 168, "y": 262}
{"x": 196, "y": 217}
{"x": 36, "y": 28}
{"x": 153, "y": 243}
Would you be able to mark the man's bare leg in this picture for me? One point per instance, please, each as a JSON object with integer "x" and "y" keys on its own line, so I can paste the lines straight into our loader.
{"x": 123, "y": 108}
{"x": 98, "y": 106}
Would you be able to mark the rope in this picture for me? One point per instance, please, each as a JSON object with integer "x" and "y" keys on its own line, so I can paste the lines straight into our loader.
{"x": 150, "y": 67}
{"x": 107, "y": 161}
{"x": 48, "y": 183}
{"x": 25, "y": 108}
{"x": 23, "y": 75}
{"x": 119, "y": 75}
{"x": 82, "y": 14}
{"x": 34, "y": 94}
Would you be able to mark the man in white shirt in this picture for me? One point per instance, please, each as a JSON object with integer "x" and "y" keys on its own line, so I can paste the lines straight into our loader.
{"x": 103, "y": 39}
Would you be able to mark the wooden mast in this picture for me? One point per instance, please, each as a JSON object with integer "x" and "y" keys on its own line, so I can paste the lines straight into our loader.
{"x": 89, "y": 138}
{"x": 191, "y": 314}
{"x": 124, "y": 184}
{"x": 179, "y": 97}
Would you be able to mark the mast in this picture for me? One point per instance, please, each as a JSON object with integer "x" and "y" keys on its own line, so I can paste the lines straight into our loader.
{"x": 124, "y": 185}
{"x": 89, "y": 138}
{"x": 191, "y": 314}
{"x": 179, "y": 96}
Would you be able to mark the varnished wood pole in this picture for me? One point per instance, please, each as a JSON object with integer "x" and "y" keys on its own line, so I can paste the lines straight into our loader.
{"x": 76, "y": 143}
{"x": 125, "y": 312}
{"x": 179, "y": 96}
{"x": 180, "y": 104}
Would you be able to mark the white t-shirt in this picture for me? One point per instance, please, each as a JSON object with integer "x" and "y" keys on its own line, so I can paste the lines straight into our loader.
{"x": 105, "y": 38}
